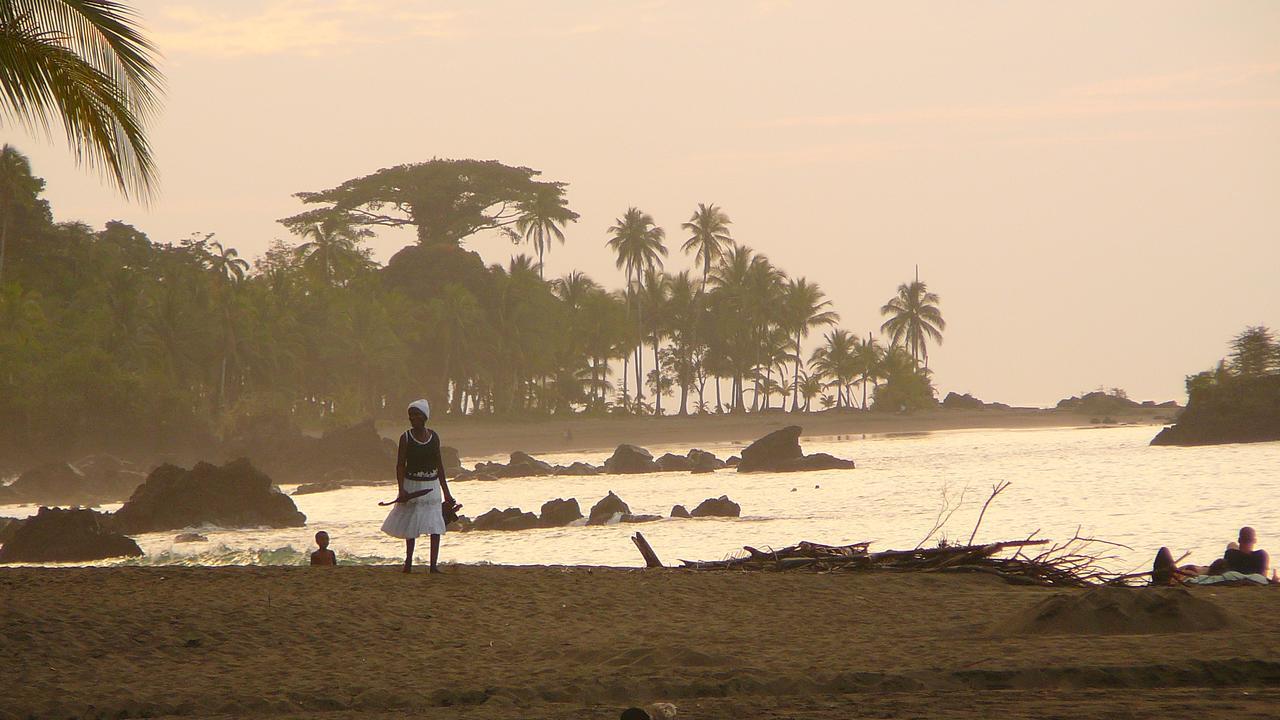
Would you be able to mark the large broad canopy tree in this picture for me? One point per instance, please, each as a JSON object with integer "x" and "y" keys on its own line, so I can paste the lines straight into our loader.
{"x": 445, "y": 200}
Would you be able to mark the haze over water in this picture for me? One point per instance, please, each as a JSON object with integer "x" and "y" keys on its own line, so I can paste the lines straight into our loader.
{"x": 1106, "y": 481}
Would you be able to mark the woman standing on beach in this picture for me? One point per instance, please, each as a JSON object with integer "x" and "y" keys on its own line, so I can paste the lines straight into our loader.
{"x": 420, "y": 474}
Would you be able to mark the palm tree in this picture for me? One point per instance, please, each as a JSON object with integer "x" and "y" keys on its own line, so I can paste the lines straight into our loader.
{"x": 654, "y": 297}
{"x": 86, "y": 63}
{"x": 228, "y": 269}
{"x": 868, "y": 357}
{"x": 455, "y": 315}
{"x": 810, "y": 387}
{"x": 637, "y": 241}
{"x": 803, "y": 309}
{"x": 709, "y": 228}
{"x": 333, "y": 249}
{"x": 914, "y": 317}
{"x": 542, "y": 217}
{"x": 833, "y": 361}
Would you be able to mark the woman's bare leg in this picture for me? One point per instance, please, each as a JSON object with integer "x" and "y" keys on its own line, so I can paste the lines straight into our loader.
{"x": 408, "y": 554}
{"x": 435, "y": 552}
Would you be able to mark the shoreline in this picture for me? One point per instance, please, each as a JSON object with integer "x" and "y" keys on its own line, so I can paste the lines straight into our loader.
{"x": 487, "y": 437}
{"x": 560, "y": 642}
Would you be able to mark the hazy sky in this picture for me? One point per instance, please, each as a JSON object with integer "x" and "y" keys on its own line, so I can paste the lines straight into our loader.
{"x": 1093, "y": 188}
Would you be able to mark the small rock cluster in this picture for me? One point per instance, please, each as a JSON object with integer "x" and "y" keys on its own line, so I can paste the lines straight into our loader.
{"x": 611, "y": 509}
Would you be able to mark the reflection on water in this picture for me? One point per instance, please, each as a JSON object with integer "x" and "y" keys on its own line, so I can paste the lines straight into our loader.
{"x": 1107, "y": 482}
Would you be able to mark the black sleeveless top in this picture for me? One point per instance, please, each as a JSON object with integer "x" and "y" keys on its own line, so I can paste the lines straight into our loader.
{"x": 422, "y": 459}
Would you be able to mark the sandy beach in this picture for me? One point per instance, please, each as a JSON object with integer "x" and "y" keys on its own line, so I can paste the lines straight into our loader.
{"x": 551, "y": 642}
{"x": 473, "y": 436}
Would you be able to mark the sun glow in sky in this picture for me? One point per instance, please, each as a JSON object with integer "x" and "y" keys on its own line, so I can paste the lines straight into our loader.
{"x": 1092, "y": 187}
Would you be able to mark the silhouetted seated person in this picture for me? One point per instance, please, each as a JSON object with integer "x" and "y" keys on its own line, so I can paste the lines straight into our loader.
{"x": 323, "y": 556}
{"x": 1242, "y": 557}
{"x": 1246, "y": 557}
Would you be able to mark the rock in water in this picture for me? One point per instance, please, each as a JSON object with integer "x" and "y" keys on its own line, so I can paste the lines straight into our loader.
{"x": 558, "y": 512}
{"x": 703, "y": 461}
{"x": 772, "y": 450}
{"x": 717, "y": 507}
{"x": 604, "y": 511}
{"x": 312, "y": 488}
{"x": 816, "y": 461}
{"x": 672, "y": 462}
{"x": 679, "y": 511}
{"x": 234, "y": 495}
{"x": 630, "y": 459}
{"x": 509, "y": 519}
{"x": 190, "y": 538}
{"x": 58, "y": 535}
{"x": 779, "y": 451}
{"x": 99, "y": 479}
{"x": 452, "y": 460}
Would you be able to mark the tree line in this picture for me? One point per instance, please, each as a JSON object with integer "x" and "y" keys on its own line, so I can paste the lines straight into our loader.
{"x": 167, "y": 338}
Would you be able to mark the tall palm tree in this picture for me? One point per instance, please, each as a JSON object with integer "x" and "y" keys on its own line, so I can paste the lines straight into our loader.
{"x": 332, "y": 249}
{"x": 709, "y": 237}
{"x": 542, "y": 219}
{"x": 803, "y": 309}
{"x": 868, "y": 357}
{"x": 88, "y": 64}
{"x": 914, "y": 318}
{"x": 228, "y": 270}
{"x": 833, "y": 361}
{"x": 654, "y": 297}
{"x": 637, "y": 241}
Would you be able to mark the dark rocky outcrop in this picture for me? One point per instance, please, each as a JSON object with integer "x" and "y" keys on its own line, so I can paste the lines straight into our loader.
{"x": 234, "y": 495}
{"x": 312, "y": 488}
{"x": 629, "y": 459}
{"x": 703, "y": 461}
{"x": 733, "y": 461}
{"x": 717, "y": 507}
{"x": 9, "y": 526}
{"x": 674, "y": 463}
{"x": 1102, "y": 404}
{"x": 274, "y": 443}
{"x": 452, "y": 460}
{"x": 190, "y": 538}
{"x": 60, "y": 535}
{"x": 98, "y": 479}
{"x": 816, "y": 461}
{"x": 558, "y": 512}
{"x": 609, "y": 506}
{"x": 769, "y": 451}
{"x": 779, "y": 451}
{"x": 679, "y": 511}
{"x": 578, "y": 469}
{"x": 509, "y": 519}
{"x": 1232, "y": 410}
{"x": 640, "y": 518}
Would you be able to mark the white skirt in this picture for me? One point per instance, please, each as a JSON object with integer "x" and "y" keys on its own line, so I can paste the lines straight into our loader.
{"x": 419, "y": 516}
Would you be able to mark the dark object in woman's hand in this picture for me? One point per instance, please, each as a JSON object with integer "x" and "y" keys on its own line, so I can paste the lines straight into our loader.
{"x": 406, "y": 497}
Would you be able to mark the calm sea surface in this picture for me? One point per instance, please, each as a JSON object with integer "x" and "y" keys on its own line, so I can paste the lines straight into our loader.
{"x": 1107, "y": 482}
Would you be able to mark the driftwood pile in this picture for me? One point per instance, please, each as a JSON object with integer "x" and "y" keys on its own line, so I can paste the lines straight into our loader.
{"x": 1066, "y": 565}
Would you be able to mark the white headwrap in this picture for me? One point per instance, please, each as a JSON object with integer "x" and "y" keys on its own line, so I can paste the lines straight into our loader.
{"x": 423, "y": 406}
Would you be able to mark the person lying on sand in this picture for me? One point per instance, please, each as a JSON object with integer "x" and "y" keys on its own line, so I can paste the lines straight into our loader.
{"x": 1242, "y": 557}
{"x": 323, "y": 556}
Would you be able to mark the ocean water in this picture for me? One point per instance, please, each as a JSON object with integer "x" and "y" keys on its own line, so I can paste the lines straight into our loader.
{"x": 1104, "y": 482}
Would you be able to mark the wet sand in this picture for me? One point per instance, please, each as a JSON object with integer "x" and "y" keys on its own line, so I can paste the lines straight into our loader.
{"x": 548, "y": 642}
{"x": 480, "y": 436}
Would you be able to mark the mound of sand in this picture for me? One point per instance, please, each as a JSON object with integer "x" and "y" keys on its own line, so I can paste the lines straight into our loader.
{"x": 1119, "y": 611}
